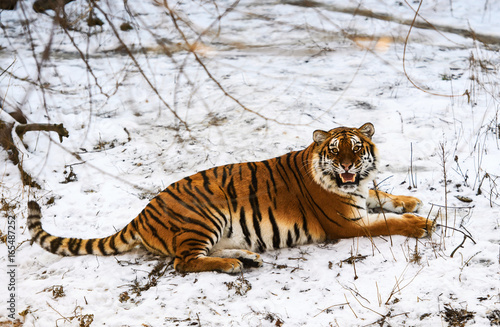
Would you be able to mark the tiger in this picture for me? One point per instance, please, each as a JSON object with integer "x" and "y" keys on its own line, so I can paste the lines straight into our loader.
{"x": 220, "y": 219}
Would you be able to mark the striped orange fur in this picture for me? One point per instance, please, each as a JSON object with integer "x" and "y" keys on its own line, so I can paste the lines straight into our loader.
{"x": 217, "y": 219}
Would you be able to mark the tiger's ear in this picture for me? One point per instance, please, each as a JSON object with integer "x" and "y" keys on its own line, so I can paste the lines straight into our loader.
{"x": 320, "y": 136}
{"x": 367, "y": 130}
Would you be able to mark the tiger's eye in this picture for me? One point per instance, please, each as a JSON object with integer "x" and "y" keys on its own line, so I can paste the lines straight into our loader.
{"x": 356, "y": 148}
{"x": 335, "y": 151}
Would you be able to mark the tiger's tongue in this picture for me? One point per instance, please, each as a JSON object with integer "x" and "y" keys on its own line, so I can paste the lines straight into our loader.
{"x": 347, "y": 177}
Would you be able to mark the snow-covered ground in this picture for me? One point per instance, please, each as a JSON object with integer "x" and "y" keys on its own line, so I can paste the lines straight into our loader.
{"x": 268, "y": 74}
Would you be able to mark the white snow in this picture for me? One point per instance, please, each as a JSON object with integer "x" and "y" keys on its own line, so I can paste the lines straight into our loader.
{"x": 294, "y": 69}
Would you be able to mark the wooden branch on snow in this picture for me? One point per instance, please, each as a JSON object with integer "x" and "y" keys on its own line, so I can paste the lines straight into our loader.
{"x": 21, "y": 129}
{"x": 7, "y": 124}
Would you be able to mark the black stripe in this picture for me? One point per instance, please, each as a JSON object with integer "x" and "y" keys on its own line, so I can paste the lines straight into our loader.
{"x": 42, "y": 239}
{"x": 353, "y": 205}
{"x": 174, "y": 228}
{"x": 177, "y": 217}
{"x": 112, "y": 244}
{"x": 195, "y": 242}
{"x": 254, "y": 203}
{"x": 289, "y": 241}
{"x": 206, "y": 182}
{"x": 305, "y": 228}
{"x": 148, "y": 244}
{"x": 231, "y": 191}
{"x": 122, "y": 237}
{"x": 358, "y": 195}
{"x": 74, "y": 245}
{"x": 271, "y": 174}
{"x": 155, "y": 235}
{"x": 224, "y": 175}
{"x": 193, "y": 252}
{"x": 260, "y": 241}
{"x": 230, "y": 169}
{"x": 270, "y": 195}
{"x": 89, "y": 246}
{"x": 230, "y": 220}
{"x": 143, "y": 221}
{"x": 152, "y": 207}
{"x": 100, "y": 246}
{"x": 188, "y": 182}
{"x": 133, "y": 223}
{"x": 37, "y": 235}
{"x": 276, "y": 231}
{"x": 55, "y": 244}
{"x": 253, "y": 196}
{"x": 297, "y": 232}
{"x": 349, "y": 218}
{"x": 253, "y": 171}
{"x": 244, "y": 227}
{"x": 197, "y": 232}
{"x": 34, "y": 224}
{"x": 280, "y": 165}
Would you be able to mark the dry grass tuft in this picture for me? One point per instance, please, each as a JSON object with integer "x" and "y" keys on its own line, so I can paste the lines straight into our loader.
{"x": 456, "y": 317}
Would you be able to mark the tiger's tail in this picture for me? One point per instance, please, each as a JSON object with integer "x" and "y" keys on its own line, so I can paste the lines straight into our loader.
{"x": 120, "y": 242}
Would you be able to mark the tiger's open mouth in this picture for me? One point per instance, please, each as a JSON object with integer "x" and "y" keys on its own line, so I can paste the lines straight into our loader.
{"x": 347, "y": 178}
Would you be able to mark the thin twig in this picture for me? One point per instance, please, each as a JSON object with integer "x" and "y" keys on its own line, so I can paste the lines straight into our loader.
{"x": 451, "y": 207}
{"x": 335, "y": 305}
{"x": 397, "y": 287}
{"x": 348, "y": 304}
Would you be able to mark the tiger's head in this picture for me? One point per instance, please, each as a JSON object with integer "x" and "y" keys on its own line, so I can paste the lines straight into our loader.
{"x": 344, "y": 158}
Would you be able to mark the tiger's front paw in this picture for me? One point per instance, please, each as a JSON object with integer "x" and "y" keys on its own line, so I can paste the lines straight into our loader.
{"x": 404, "y": 203}
{"x": 417, "y": 226}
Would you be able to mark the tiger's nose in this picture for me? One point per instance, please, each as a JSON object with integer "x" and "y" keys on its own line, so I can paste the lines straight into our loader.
{"x": 346, "y": 166}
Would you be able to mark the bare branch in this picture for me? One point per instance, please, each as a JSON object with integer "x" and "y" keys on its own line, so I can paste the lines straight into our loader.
{"x": 58, "y": 128}
{"x": 357, "y": 11}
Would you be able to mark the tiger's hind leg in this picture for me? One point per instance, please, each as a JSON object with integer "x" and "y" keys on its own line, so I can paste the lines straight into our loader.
{"x": 248, "y": 258}
{"x": 193, "y": 253}
{"x": 393, "y": 203}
